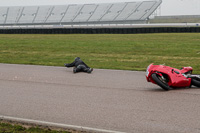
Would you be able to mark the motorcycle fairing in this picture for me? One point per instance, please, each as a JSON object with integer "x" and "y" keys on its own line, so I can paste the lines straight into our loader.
{"x": 175, "y": 77}
{"x": 186, "y": 69}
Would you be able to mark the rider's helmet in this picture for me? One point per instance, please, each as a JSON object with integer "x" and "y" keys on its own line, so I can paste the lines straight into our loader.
{"x": 77, "y": 58}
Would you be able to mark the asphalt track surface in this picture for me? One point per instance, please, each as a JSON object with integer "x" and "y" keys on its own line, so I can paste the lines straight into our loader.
{"x": 104, "y": 101}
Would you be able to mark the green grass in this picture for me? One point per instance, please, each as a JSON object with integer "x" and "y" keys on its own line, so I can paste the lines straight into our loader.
{"x": 104, "y": 51}
{"x": 16, "y": 128}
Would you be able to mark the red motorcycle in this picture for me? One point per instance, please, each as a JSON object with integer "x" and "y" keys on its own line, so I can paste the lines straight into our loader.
{"x": 167, "y": 77}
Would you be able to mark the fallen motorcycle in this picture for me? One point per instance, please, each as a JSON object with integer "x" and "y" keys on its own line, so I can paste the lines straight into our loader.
{"x": 168, "y": 78}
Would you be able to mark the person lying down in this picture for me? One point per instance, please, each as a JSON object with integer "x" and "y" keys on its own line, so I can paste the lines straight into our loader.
{"x": 79, "y": 66}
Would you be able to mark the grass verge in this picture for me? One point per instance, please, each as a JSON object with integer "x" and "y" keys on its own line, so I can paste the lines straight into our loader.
{"x": 14, "y": 127}
{"x": 104, "y": 51}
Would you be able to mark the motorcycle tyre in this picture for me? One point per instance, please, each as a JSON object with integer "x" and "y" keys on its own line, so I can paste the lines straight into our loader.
{"x": 159, "y": 82}
{"x": 195, "y": 82}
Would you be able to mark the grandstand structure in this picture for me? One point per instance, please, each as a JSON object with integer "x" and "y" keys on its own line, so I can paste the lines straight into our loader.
{"x": 79, "y": 14}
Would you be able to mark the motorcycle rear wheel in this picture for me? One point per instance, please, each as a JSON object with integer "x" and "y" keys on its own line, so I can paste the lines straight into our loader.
{"x": 160, "y": 82}
{"x": 195, "y": 82}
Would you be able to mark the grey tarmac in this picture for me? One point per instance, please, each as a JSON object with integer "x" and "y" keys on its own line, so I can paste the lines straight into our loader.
{"x": 106, "y": 100}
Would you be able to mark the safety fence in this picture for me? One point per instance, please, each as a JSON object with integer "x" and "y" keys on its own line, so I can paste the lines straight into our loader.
{"x": 102, "y": 30}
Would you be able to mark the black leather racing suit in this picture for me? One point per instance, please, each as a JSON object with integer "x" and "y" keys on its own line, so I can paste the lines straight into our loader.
{"x": 79, "y": 66}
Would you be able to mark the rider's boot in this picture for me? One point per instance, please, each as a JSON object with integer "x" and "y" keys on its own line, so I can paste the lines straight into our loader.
{"x": 89, "y": 70}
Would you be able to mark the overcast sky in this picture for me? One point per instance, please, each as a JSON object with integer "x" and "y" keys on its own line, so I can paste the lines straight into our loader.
{"x": 168, "y": 7}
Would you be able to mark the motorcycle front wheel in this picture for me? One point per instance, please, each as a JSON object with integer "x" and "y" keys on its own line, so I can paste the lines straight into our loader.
{"x": 195, "y": 82}
{"x": 159, "y": 81}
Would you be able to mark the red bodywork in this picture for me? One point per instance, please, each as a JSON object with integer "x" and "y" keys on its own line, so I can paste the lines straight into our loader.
{"x": 175, "y": 76}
